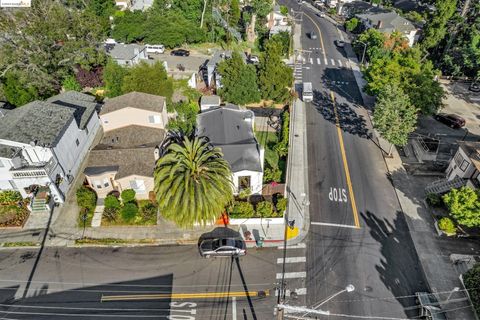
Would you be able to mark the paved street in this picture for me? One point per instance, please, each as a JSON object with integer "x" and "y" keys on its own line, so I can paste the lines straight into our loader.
{"x": 85, "y": 283}
{"x": 358, "y": 234}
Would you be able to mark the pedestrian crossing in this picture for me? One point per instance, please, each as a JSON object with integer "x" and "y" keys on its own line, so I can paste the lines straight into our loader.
{"x": 294, "y": 274}
{"x": 322, "y": 61}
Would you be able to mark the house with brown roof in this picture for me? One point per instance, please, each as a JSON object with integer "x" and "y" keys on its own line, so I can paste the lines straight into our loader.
{"x": 134, "y": 126}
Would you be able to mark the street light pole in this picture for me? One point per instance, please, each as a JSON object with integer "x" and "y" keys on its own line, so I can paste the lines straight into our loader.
{"x": 451, "y": 292}
{"x": 348, "y": 288}
{"x": 364, "y": 49}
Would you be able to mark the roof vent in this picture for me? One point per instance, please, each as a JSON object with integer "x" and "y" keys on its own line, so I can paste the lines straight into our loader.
{"x": 33, "y": 143}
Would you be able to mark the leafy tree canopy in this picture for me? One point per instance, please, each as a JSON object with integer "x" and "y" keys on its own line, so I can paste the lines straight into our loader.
{"x": 262, "y": 7}
{"x": 113, "y": 75}
{"x": 148, "y": 78}
{"x": 394, "y": 116}
{"x": 351, "y": 24}
{"x": 17, "y": 90}
{"x": 464, "y": 206}
{"x": 45, "y": 42}
{"x": 239, "y": 81}
{"x": 186, "y": 117}
{"x": 436, "y": 27}
{"x": 274, "y": 76}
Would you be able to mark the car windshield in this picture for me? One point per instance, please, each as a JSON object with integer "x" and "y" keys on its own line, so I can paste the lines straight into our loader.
{"x": 217, "y": 243}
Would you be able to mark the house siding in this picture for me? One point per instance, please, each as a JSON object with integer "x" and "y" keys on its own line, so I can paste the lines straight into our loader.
{"x": 455, "y": 167}
{"x": 132, "y": 116}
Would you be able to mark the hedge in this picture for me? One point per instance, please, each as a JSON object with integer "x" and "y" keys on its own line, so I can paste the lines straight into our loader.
{"x": 128, "y": 195}
{"x": 10, "y": 196}
{"x": 471, "y": 280}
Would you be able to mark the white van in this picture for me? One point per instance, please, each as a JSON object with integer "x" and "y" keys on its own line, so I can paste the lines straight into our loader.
{"x": 307, "y": 92}
{"x": 155, "y": 48}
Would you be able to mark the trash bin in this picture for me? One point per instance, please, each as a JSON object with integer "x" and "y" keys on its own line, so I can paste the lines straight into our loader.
{"x": 260, "y": 242}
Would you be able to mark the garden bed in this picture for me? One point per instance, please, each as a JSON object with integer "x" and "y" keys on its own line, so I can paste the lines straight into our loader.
{"x": 12, "y": 215}
{"x": 136, "y": 213}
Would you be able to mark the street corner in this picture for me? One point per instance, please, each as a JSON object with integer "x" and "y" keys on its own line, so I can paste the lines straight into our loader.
{"x": 292, "y": 233}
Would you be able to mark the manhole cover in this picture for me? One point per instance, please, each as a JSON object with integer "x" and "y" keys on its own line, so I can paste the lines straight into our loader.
{"x": 368, "y": 289}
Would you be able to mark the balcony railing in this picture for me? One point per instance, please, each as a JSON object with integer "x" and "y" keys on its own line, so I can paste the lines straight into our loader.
{"x": 34, "y": 171}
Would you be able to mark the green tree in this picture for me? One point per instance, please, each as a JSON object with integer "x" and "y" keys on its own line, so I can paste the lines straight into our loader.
{"x": 192, "y": 181}
{"x": 130, "y": 26}
{"x": 464, "y": 206}
{"x": 129, "y": 212}
{"x": 471, "y": 280}
{"x": 283, "y": 38}
{"x": 262, "y": 7}
{"x": 351, "y": 24}
{"x": 284, "y": 10}
{"x": 17, "y": 90}
{"x": 46, "y": 42}
{"x": 436, "y": 27}
{"x": 71, "y": 83}
{"x": 102, "y": 9}
{"x": 239, "y": 81}
{"x": 274, "y": 76}
{"x": 374, "y": 41}
{"x": 185, "y": 119}
{"x": 128, "y": 195}
{"x": 394, "y": 116}
{"x": 111, "y": 202}
{"x": 148, "y": 78}
{"x": 113, "y": 77}
{"x": 86, "y": 198}
{"x": 235, "y": 13}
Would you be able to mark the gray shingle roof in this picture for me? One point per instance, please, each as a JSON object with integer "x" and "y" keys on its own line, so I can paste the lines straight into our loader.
{"x": 232, "y": 131}
{"x": 219, "y": 55}
{"x": 137, "y": 161}
{"x": 125, "y": 51}
{"x": 137, "y": 100}
{"x": 36, "y": 121}
{"x": 132, "y": 136}
{"x": 390, "y": 21}
{"x": 84, "y": 105}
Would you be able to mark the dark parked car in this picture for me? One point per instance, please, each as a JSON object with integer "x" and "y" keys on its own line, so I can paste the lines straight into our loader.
{"x": 180, "y": 52}
{"x": 340, "y": 43}
{"x": 222, "y": 247}
{"x": 451, "y": 120}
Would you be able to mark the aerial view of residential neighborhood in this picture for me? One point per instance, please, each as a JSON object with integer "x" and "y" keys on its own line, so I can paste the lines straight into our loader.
{"x": 240, "y": 159}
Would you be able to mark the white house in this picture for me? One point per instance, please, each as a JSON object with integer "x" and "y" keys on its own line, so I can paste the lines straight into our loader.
{"x": 43, "y": 143}
{"x": 388, "y": 22}
{"x": 231, "y": 129}
{"x": 126, "y": 54}
{"x": 466, "y": 162}
{"x": 277, "y": 22}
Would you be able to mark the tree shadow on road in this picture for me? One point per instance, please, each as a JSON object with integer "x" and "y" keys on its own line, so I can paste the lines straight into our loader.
{"x": 399, "y": 269}
{"x": 348, "y": 119}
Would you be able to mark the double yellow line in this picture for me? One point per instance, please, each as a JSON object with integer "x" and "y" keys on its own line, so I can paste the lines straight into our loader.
{"x": 179, "y": 296}
{"x": 340, "y": 138}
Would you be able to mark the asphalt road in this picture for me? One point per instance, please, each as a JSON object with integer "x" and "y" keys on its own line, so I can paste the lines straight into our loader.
{"x": 358, "y": 234}
{"x": 135, "y": 283}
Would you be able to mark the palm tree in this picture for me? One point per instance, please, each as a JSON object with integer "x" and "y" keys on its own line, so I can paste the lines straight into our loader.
{"x": 193, "y": 182}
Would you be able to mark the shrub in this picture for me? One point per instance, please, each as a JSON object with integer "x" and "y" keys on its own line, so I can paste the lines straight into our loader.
{"x": 10, "y": 196}
{"x": 241, "y": 209}
{"x": 70, "y": 83}
{"x": 351, "y": 24}
{"x": 129, "y": 212}
{"x": 471, "y": 280}
{"x": 464, "y": 206}
{"x": 111, "y": 202}
{"x": 244, "y": 193}
{"x": 284, "y": 10}
{"x": 272, "y": 174}
{"x": 281, "y": 205}
{"x": 434, "y": 199}
{"x": 111, "y": 214}
{"x": 265, "y": 209}
{"x": 86, "y": 198}
{"x": 128, "y": 195}
{"x": 149, "y": 211}
{"x": 446, "y": 224}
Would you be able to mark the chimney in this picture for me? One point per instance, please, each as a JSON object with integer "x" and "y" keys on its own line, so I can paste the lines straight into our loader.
{"x": 379, "y": 24}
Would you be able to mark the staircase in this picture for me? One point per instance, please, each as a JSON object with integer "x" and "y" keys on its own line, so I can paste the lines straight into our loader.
{"x": 39, "y": 205}
{"x": 443, "y": 185}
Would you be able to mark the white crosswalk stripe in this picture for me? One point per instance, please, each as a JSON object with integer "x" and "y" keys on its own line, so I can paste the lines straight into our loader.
{"x": 340, "y": 63}
{"x": 292, "y": 275}
{"x": 311, "y": 61}
{"x": 292, "y": 260}
{"x": 298, "y": 292}
{"x": 318, "y": 60}
{"x": 326, "y": 61}
{"x": 301, "y": 245}
{"x": 333, "y": 62}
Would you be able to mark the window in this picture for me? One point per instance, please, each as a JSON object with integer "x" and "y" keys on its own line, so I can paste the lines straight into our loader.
{"x": 243, "y": 183}
{"x": 464, "y": 165}
{"x": 138, "y": 186}
{"x": 154, "y": 119}
{"x": 77, "y": 142}
{"x": 97, "y": 184}
{"x": 105, "y": 121}
{"x": 458, "y": 159}
{"x": 1, "y": 164}
{"x": 106, "y": 182}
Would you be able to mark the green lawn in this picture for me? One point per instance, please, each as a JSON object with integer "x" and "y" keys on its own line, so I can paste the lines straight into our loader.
{"x": 268, "y": 140}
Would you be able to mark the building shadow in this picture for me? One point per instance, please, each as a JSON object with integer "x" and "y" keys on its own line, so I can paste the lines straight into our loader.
{"x": 399, "y": 267}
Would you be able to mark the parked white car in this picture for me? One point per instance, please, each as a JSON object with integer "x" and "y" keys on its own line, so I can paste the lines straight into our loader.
{"x": 155, "y": 48}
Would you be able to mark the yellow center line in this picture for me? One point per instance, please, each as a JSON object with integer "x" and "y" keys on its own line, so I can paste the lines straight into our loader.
{"x": 345, "y": 163}
{"x": 158, "y": 296}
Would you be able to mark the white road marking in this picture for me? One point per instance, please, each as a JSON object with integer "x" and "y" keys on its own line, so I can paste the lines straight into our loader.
{"x": 333, "y": 62}
{"x": 326, "y": 61}
{"x": 234, "y": 308}
{"x": 347, "y": 64}
{"x": 340, "y": 62}
{"x": 288, "y": 293}
{"x": 311, "y": 61}
{"x": 292, "y": 260}
{"x": 318, "y": 60}
{"x": 333, "y": 225}
{"x": 292, "y": 275}
{"x": 301, "y": 245}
